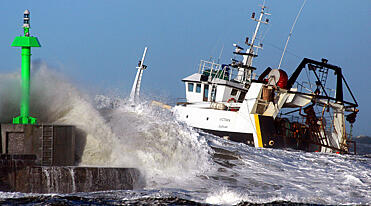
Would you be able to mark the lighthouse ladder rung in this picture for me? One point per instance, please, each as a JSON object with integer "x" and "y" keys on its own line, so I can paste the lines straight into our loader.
{"x": 47, "y": 145}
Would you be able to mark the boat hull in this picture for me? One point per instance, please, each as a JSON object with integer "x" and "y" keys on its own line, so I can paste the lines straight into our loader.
{"x": 251, "y": 129}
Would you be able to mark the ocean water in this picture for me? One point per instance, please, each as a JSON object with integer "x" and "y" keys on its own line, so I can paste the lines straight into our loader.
{"x": 180, "y": 165}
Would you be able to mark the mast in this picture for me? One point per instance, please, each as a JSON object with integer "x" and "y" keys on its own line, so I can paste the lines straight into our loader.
{"x": 251, "y": 54}
{"x": 134, "y": 95}
{"x": 245, "y": 71}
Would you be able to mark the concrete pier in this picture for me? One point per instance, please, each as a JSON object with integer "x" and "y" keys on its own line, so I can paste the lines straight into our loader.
{"x": 53, "y": 145}
{"x": 18, "y": 173}
{"x": 40, "y": 159}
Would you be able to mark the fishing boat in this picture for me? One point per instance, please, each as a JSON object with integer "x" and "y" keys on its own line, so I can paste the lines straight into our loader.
{"x": 270, "y": 109}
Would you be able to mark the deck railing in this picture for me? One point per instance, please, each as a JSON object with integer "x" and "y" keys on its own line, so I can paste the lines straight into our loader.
{"x": 215, "y": 70}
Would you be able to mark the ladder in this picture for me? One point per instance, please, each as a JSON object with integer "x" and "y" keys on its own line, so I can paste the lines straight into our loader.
{"x": 324, "y": 73}
{"x": 47, "y": 145}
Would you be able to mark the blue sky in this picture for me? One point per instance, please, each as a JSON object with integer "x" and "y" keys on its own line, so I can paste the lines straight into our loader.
{"x": 97, "y": 44}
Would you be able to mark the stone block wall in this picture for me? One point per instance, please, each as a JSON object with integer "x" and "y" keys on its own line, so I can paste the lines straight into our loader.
{"x": 53, "y": 145}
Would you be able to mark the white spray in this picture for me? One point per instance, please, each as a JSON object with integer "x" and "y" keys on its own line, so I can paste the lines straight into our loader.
{"x": 122, "y": 136}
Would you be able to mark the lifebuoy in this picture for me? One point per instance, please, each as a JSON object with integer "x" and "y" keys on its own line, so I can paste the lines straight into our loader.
{"x": 232, "y": 99}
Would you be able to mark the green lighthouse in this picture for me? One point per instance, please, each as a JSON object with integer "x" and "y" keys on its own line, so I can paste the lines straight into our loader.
{"x": 25, "y": 42}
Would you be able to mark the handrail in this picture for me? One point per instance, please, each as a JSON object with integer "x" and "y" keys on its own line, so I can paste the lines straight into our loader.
{"x": 215, "y": 70}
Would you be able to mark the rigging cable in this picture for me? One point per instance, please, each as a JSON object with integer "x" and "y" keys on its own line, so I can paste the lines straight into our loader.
{"x": 220, "y": 55}
{"x": 292, "y": 29}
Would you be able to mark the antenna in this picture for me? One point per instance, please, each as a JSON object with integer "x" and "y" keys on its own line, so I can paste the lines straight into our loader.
{"x": 221, "y": 52}
{"x": 292, "y": 29}
{"x": 134, "y": 95}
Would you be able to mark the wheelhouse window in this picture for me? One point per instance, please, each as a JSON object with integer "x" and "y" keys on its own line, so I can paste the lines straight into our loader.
{"x": 234, "y": 92}
{"x": 213, "y": 93}
{"x": 190, "y": 87}
{"x": 242, "y": 96}
{"x": 206, "y": 92}
{"x": 198, "y": 88}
